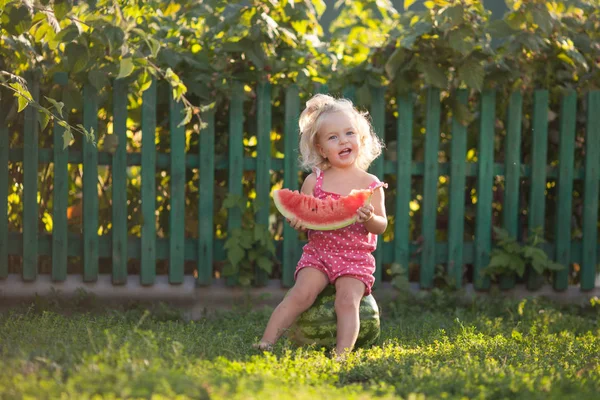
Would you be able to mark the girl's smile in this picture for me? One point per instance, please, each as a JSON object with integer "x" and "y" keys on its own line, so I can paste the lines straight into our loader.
{"x": 339, "y": 146}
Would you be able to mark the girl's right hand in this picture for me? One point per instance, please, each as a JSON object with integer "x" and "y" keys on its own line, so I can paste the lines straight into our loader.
{"x": 297, "y": 225}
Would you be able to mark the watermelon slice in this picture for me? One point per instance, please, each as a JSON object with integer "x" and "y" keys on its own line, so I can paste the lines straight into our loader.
{"x": 322, "y": 214}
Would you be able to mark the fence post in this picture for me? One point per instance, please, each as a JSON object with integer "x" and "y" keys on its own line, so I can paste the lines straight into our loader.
{"x": 539, "y": 159}
{"x": 119, "y": 184}
{"x": 148, "y": 188}
{"x": 431, "y": 177}
{"x": 512, "y": 178}
{"x": 404, "y": 142}
{"x": 206, "y": 189}
{"x": 60, "y": 194}
{"x": 456, "y": 213}
{"x": 236, "y": 159}
{"x": 4, "y": 147}
{"x": 378, "y": 117}
{"x": 263, "y": 161}
{"x": 590, "y": 200}
{"x": 485, "y": 181}
{"x": 30, "y": 183}
{"x": 90, "y": 186}
{"x": 565, "y": 188}
{"x": 290, "y": 180}
{"x": 177, "y": 214}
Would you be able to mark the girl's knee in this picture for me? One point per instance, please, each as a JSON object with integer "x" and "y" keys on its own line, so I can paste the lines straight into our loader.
{"x": 302, "y": 298}
{"x": 346, "y": 302}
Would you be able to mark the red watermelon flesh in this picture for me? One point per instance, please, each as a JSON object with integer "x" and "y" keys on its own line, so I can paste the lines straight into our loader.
{"x": 321, "y": 214}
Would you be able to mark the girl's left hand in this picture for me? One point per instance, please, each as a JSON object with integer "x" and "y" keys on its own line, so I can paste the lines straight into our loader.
{"x": 365, "y": 214}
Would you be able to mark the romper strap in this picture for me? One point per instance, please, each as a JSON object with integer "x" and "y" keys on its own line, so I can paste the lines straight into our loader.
{"x": 319, "y": 174}
{"x": 376, "y": 184}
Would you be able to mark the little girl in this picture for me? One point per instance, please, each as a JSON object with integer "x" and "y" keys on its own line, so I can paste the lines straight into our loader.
{"x": 338, "y": 143}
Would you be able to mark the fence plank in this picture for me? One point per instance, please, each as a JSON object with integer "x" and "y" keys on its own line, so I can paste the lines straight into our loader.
{"x": 263, "y": 165}
{"x": 565, "y": 188}
{"x": 206, "y": 194}
{"x": 4, "y": 147}
{"x": 458, "y": 153}
{"x": 236, "y": 160}
{"x": 404, "y": 128}
{"x": 349, "y": 92}
{"x": 90, "y": 186}
{"x": 512, "y": 162}
{"x": 60, "y": 196}
{"x": 30, "y": 184}
{"x": 291, "y": 247}
{"x": 539, "y": 156}
{"x": 119, "y": 183}
{"x": 590, "y": 200}
{"x": 148, "y": 189}
{"x": 378, "y": 118}
{"x": 429, "y": 207}
{"x": 485, "y": 181}
{"x": 177, "y": 213}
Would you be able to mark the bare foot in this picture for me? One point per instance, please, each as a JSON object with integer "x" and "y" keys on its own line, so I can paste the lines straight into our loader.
{"x": 263, "y": 346}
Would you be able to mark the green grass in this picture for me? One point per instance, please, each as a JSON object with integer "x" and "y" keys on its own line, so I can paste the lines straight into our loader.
{"x": 432, "y": 348}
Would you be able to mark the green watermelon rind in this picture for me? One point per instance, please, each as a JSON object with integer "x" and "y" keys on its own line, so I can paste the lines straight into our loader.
{"x": 289, "y": 214}
{"x": 315, "y": 327}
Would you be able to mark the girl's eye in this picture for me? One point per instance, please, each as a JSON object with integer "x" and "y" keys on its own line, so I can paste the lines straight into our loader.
{"x": 332, "y": 137}
{"x": 349, "y": 133}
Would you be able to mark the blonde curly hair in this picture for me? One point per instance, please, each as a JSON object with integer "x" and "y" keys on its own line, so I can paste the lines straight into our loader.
{"x": 319, "y": 106}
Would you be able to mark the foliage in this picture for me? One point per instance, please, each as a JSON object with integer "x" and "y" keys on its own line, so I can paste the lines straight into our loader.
{"x": 511, "y": 257}
{"x": 249, "y": 247}
{"x": 486, "y": 348}
{"x": 199, "y": 52}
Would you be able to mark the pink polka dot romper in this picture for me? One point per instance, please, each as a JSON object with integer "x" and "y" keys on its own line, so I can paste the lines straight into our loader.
{"x": 341, "y": 252}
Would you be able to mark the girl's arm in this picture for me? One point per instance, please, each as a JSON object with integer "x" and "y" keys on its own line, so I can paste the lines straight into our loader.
{"x": 373, "y": 216}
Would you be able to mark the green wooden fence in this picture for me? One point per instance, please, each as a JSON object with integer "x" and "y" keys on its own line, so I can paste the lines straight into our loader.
{"x": 177, "y": 249}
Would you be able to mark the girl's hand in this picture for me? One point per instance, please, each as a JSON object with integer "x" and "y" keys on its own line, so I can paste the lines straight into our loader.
{"x": 297, "y": 225}
{"x": 365, "y": 214}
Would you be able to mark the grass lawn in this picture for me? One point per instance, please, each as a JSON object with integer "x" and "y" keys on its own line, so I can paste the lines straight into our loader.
{"x": 430, "y": 348}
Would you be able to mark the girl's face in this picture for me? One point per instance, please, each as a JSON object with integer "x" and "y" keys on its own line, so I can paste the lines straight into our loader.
{"x": 338, "y": 141}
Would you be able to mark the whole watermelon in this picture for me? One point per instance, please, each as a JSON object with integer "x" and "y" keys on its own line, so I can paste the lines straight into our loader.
{"x": 318, "y": 324}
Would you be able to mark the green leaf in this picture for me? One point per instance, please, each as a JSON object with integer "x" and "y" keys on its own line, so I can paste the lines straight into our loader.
{"x": 408, "y": 3}
{"x": 472, "y": 74}
{"x": 16, "y": 19}
{"x": 461, "y": 40}
{"x": 77, "y": 56}
{"x": 125, "y": 68}
{"x": 461, "y": 112}
{"x": 455, "y": 14}
{"x": 154, "y": 47}
{"x": 265, "y": 264}
{"x": 62, "y": 8}
{"x": 499, "y": 29}
{"x": 543, "y": 19}
{"x": 98, "y": 79}
{"x": 67, "y": 138}
{"x": 44, "y": 119}
{"x": 144, "y": 81}
{"x": 434, "y": 75}
{"x": 189, "y": 113}
{"x": 256, "y": 55}
{"x": 22, "y": 102}
{"x": 392, "y": 65}
{"x": 235, "y": 254}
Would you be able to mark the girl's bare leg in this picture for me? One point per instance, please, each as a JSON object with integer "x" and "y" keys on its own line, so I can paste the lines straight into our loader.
{"x": 349, "y": 292}
{"x": 309, "y": 283}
